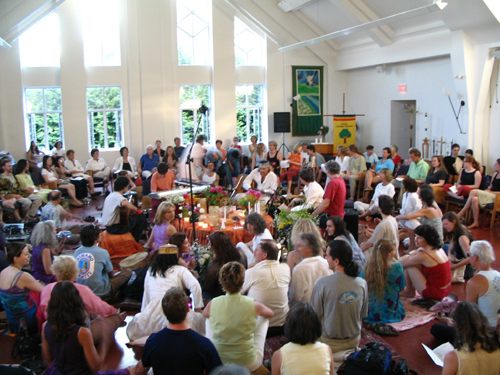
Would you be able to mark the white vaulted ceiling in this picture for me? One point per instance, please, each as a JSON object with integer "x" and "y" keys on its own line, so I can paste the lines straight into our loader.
{"x": 313, "y": 18}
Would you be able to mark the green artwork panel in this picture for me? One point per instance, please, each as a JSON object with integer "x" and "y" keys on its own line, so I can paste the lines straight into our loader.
{"x": 307, "y": 107}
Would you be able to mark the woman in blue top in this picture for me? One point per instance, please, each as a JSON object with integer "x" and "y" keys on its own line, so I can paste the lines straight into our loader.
{"x": 386, "y": 279}
{"x": 384, "y": 163}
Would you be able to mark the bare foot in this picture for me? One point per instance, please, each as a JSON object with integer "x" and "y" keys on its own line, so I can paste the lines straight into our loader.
{"x": 473, "y": 225}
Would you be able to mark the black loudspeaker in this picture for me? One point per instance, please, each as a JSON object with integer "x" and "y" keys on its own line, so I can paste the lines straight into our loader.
{"x": 282, "y": 122}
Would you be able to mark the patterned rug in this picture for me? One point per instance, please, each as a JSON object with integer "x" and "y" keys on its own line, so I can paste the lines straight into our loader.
{"x": 415, "y": 316}
{"x": 275, "y": 343}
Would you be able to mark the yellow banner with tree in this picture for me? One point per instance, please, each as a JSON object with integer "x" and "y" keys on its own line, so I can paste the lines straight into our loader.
{"x": 344, "y": 130}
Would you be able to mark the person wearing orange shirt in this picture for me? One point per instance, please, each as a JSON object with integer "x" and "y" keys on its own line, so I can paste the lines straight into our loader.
{"x": 295, "y": 161}
{"x": 163, "y": 179}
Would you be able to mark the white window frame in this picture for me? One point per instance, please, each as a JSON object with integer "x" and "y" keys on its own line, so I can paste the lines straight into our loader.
{"x": 31, "y": 131}
{"x": 104, "y": 111}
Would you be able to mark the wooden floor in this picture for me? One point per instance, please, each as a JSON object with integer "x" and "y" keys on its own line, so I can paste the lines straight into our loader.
{"x": 408, "y": 344}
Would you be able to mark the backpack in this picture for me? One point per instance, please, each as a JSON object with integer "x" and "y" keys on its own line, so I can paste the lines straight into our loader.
{"x": 373, "y": 359}
{"x": 26, "y": 345}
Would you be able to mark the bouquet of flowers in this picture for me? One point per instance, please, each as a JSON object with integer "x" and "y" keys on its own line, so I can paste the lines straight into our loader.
{"x": 203, "y": 256}
{"x": 251, "y": 197}
{"x": 323, "y": 130}
{"x": 215, "y": 195}
{"x": 186, "y": 209}
{"x": 284, "y": 222}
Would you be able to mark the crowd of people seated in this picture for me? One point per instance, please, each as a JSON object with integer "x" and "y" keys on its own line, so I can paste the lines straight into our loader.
{"x": 316, "y": 295}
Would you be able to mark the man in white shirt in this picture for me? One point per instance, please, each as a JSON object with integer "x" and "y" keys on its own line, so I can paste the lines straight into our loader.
{"x": 113, "y": 204}
{"x": 73, "y": 166}
{"x": 98, "y": 166}
{"x": 387, "y": 229}
{"x": 313, "y": 192}
{"x": 309, "y": 270}
{"x": 267, "y": 282}
{"x": 265, "y": 179}
{"x": 256, "y": 226}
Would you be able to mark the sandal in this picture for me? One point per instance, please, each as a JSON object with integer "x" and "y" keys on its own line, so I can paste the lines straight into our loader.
{"x": 383, "y": 329}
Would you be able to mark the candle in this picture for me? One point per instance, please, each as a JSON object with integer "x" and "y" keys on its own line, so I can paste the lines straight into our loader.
{"x": 225, "y": 213}
{"x": 186, "y": 220}
{"x": 248, "y": 207}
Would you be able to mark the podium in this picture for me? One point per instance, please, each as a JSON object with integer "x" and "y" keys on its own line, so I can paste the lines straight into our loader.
{"x": 324, "y": 148}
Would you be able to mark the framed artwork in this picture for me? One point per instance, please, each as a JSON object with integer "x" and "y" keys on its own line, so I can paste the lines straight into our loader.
{"x": 307, "y": 107}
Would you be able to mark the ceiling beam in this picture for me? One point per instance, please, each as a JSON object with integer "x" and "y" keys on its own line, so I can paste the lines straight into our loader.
{"x": 286, "y": 27}
{"x": 316, "y": 29}
{"x": 289, "y": 5}
{"x": 296, "y": 27}
{"x": 17, "y": 17}
{"x": 382, "y": 35}
{"x": 437, "y": 5}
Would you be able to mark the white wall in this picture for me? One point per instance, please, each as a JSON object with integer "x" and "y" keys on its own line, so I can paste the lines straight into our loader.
{"x": 150, "y": 79}
{"x": 370, "y": 93}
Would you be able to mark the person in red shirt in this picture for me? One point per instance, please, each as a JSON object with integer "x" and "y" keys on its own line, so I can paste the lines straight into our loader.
{"x": 163, "y": 179}
{"x": 335, "y": 192}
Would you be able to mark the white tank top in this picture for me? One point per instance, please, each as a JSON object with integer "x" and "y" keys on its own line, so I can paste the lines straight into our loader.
{"x": 489, "y": 302}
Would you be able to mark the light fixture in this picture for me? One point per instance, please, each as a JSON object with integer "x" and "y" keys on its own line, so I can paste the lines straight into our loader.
{"x": 435, "y": 6}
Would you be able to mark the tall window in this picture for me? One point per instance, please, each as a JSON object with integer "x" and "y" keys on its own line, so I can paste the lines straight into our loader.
{"x": 101, "y": 32}
{"x": 104, "y": 106}
{"x": 249, "y": 47}
{"x": 249, "y": 107}
{"x": 191, "y": 99}
{"x": 193, "y": 32}
{"x": 40, "y": 45}
{"x": 44, "y": 116}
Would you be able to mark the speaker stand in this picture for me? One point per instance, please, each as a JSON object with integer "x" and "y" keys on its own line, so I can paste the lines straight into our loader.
{"x": 283, "y": 146}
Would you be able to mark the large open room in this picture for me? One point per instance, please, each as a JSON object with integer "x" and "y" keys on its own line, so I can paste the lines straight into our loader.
{"x": 249, "y": 187}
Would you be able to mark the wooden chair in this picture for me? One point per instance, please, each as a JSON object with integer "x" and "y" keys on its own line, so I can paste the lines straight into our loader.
{"x": 439, "y": 195}
{"x": 493, "y": 211}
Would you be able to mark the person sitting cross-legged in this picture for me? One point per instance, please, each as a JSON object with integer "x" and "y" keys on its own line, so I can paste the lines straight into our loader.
{"x": 304, "y": 354}
{"x": 232, "y": 318}
{"x": 476, "y": 348}
{"x": 117, "y": 209}
{"x": 341, "y": 299}
{"x": 312, "y": 267}
{"x": 386, "y": 279}
{"x": 383, "y": 188}
{"x": 387, "y": 229}
{"x": 427, "y": 269}
{"x": 177, "y": 349}
{"x": 267, "y": 282}
{"x": 95, "y": 268}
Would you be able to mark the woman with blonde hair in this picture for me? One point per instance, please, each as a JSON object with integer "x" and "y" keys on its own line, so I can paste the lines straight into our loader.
{"x": 274, "y": 156}
{"x": 303, "y": 226}
{"x": 386, "y": 279}
{"x": 65, "y": 268}
{"x": 162, "y": 229}
{"x": 342, "y": 159}
{"x": 259, "y": 156}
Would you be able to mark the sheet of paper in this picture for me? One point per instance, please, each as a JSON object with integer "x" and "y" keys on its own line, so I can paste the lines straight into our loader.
{"x": 400, "y": 178}
{"x": 453, "y": 189}
{"x": 437, "y": 355}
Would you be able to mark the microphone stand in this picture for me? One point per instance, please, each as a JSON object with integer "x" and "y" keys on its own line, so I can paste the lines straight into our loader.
{"x": 202, "y": 111}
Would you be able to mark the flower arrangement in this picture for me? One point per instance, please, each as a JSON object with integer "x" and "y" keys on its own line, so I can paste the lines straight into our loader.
{"x": 251, "y": 197}
{"x": 186, "y": 209}
{"x": 323, "y": 130}
{"x": 284, "y": 222}
{"x": 215, "y": 195}
{"x": 203, "y": 256}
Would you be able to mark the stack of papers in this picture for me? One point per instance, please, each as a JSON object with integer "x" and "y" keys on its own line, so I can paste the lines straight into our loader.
{"x": 437, "y": 355}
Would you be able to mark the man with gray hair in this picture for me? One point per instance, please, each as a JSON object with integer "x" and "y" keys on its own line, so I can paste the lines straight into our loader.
{"x": 484, "y": 287}
{"x": 335, "y": 192}
{"x": 148, "y": 163}
{"x": 265, "y": 180}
